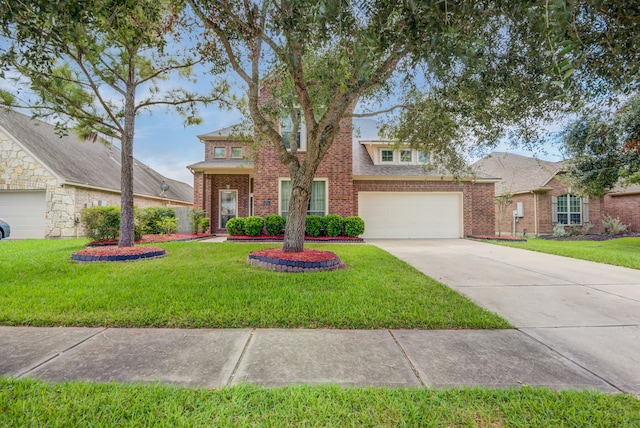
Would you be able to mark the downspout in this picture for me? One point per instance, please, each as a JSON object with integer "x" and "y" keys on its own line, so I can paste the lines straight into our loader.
{"x": 535, "y": 213}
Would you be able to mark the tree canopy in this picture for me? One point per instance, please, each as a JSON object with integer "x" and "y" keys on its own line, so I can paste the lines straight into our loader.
{"x": 95, "y": 65}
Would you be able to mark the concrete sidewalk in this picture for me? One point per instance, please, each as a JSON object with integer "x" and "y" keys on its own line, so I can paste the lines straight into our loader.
{"x": 277, "y": 357}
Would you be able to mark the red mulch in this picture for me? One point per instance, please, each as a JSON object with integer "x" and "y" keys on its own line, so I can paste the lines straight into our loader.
{"x": 112, "y": 250}
{"x": 305, "y": 256}
{"x": 146, "y": 239}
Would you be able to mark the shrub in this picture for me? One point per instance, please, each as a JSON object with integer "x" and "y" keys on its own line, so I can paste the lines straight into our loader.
{"x": 274, "y": 223}
{"x": 197, "y": 217}
{"x": 559, "y": 231}
{"x": 101, "y": 222}
{"x": 613, "y": 225}
{"x": 167, "y": 225}
{"x": 353, "y": 226}
{"x": 235, "y": 226}
{"x": 151, "y": 217}
{"x": 313, "y": 225}
{"x": 205, "y": 224}
{"x": 332, "y": 224}
{"x": 253, "y": 225}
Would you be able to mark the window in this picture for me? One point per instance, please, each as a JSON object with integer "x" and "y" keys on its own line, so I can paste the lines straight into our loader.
{"x": 286, "y": 129}
{"x": 405, "y": 156}
{"x": 386, "y": 155}
{"x": 317, "y": 202}
{"x": 424, "y": 157}
{"x": 236, "y": 152}
{"x": 220, "y": 152}
{"x": 569, "y": 209}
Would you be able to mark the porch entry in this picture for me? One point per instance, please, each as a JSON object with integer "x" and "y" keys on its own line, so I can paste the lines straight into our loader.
{"x": 228, "y": 206}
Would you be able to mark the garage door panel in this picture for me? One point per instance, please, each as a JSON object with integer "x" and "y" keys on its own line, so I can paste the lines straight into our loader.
{"x": 25, "y": 213}
{"x": 411, "y": 215}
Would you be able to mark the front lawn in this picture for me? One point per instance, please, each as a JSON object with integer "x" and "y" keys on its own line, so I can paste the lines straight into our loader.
{"x": 210, "y": 285}
{"x": 619, "y": 252}
{"x": 33, "y": 403}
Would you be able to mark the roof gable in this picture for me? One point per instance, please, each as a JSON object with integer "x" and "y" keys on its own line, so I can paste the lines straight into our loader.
{"x": 518, "y": 173}
{"x": 85, "y": 163}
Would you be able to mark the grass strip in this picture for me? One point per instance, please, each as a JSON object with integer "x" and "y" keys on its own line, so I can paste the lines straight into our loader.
{"x": 210, "y": 285}
{"x": 619, "y": 252}
{"x": 34, "y": 403}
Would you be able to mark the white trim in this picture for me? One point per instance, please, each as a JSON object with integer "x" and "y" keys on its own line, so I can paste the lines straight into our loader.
{"x": 117, "y": 191}
{"x": 397, "y": 156}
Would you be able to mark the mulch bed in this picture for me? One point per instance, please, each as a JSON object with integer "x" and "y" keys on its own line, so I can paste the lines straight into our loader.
{"x": 498, "y": 238}
{"x": 280, "y": 238}
{"x": 150, "y": 239}
{"x": 589, "y": 237}
{"x": 117, "y": 254}
{"x": 305, "y": 261}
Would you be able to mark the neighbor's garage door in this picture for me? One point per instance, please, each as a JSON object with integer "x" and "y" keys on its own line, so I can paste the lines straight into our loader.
{"x": 24, "y": 211}
{"x": 411, "y": 215}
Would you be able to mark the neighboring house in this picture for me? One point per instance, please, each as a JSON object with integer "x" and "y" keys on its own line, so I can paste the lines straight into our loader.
{"x": 46, "y": 181}
{"x": 399, "y": 193}
{"x": 545, "y": 199}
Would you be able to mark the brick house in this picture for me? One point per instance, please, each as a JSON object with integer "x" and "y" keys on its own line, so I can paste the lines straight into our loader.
{"x": 399, "y": 193}
{"x": 46, "y": 181}
{"x": 543, "y": 199}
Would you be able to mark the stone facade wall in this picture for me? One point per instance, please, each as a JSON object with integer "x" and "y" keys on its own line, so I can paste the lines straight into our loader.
{"x": 477, "y": 199}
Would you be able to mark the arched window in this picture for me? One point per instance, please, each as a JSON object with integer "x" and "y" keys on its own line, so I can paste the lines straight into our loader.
{"x": 568, "y": 209}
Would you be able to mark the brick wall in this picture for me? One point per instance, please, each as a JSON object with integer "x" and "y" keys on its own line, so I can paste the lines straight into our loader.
{"x": 336, "y": 167}
{"x": 477, "y": 199}
{"x": 240, "y": 183}
{"x": 626, "y": 208}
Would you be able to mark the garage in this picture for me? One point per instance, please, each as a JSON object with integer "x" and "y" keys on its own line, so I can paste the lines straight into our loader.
{"x": 25, "y": 213}
{"x": 411, "y": 215}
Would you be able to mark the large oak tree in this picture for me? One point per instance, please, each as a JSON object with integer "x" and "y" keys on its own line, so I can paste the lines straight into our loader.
{"x": 461, "y": 71}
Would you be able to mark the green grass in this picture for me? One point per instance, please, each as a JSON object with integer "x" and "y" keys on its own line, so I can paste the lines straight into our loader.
{"x": 211, "y": 285}
{"x": 619, "y": 252}
{"x": 34, "y": 403}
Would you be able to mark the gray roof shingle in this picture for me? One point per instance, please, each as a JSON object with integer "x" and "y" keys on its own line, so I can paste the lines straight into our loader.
{"x": 518, "y": 173}
{"x": 86, "y": 163}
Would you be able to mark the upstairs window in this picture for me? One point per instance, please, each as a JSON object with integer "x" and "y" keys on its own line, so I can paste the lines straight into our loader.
{"x": 424, "y": 157}
{"x": 236, "y": 152}
{"x": 386, "y": 155}
{"x": 406, "y": 156}
{"x": 220, "y": 152}
{"x": 286, "y": 130}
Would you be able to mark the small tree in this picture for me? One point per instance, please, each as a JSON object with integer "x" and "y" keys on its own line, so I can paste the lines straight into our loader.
{"x": 503, "y": 202}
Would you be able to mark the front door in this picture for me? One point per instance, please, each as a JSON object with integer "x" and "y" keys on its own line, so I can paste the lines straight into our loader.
{"x": 228, "y": 206}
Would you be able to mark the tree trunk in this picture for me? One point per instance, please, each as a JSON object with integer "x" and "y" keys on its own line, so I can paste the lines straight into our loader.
{"x": 127, "y": 220}
{"x": 296, "y": 219}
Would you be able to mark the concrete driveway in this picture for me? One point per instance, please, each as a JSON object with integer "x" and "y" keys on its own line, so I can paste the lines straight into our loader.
{"x": 587, "y": 312}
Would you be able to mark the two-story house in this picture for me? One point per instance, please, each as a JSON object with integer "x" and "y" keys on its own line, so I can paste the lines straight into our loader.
{"x": 399, "y": 193}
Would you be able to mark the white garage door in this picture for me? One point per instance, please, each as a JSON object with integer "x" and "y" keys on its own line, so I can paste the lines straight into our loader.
{"x": 411, "y": 215}
{"x": 24, "y": 211}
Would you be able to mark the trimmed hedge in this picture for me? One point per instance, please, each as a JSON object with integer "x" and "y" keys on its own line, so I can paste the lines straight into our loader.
{"x": 353, "y": 226}
{"x": 253, "y": 225}
{"x": 154, "y": 219}
{"x": 274, "y": 223}
{"x": 330, "y": 225}
{"x": 235, "y": 226}
{"x": 313, "y": 225}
